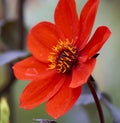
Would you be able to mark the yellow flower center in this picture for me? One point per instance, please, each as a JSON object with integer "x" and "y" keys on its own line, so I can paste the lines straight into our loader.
{"x": 63, "y": 57}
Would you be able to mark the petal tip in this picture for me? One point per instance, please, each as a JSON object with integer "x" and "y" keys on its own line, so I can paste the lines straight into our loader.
{"x": 54, "y": 115}
{"x": 24, "y": 106}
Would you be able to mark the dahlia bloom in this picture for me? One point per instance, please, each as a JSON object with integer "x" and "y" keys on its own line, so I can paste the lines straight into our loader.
{"x": 62, "y": 57}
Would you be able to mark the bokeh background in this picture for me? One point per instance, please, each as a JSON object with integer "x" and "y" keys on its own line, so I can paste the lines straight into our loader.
{"x": 106, "y": 73}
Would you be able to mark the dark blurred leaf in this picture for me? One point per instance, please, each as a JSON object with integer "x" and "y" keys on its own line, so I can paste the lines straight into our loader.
{"x": 115, "y": 112}
{"x": 10, "y": 34}
{"x": 11, "y": 55}
{"x": 106, "y": 96}
{"x": 3, "y": 48}
{"x": 44, "y": 121}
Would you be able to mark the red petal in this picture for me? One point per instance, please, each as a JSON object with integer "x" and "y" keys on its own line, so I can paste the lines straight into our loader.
{"x": 30, "y": 68}
{"x": 42, "y": 38}
{"x": 67, "y": 19}
{"x": 87, "y": 18}
{"x": 97, "y": 41}
{"x": 63, "y": 100}
{"x": 81, "y": 73}
{"x": 40, "y": 90}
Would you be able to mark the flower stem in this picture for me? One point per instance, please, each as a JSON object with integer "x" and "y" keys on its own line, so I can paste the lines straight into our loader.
{"x": 97, "y": 102}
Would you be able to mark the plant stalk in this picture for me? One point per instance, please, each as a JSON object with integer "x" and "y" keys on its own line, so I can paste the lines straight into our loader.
{"x": 97, "y": 102}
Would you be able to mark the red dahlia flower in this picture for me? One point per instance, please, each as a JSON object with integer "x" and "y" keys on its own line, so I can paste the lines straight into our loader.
{"x": 62, "y": 57}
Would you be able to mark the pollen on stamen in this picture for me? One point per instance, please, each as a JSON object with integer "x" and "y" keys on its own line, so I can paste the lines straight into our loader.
{"x": 63, "y": 56}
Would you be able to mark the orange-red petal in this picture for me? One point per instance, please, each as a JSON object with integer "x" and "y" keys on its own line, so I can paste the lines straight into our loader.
{"x": 87, "y": 18}
{"x": 96, "y": 42}
{"x": 42, "y": 38}
{"x": 81, "y": 73}
{"x": 67, "y": 19}
{"x": 30, "y": 68}
{"x": 63, "y": 100}
{"x": 40, "y": 90}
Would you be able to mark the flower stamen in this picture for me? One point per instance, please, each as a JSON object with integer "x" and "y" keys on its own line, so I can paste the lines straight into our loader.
{"x": 63, "y": 57}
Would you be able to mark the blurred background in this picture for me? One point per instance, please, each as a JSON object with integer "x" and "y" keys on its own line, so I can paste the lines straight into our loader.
{"x": 106, "y": 73}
